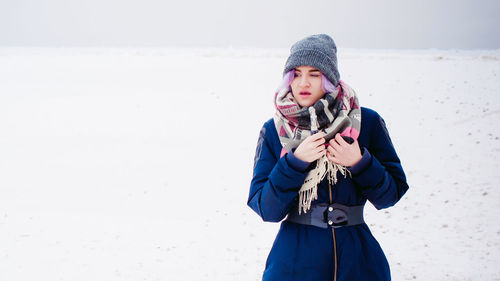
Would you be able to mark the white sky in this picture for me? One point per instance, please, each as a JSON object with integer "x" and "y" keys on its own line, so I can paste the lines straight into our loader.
{"x": 443, "y": 24}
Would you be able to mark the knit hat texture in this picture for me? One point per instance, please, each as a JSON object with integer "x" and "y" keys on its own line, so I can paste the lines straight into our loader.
{"x": 318, "y": 51}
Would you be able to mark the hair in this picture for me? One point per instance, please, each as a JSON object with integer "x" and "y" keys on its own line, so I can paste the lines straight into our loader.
{"x": 326, "y": 85}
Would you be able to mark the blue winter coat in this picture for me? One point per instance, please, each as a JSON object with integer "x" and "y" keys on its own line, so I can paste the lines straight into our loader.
{"x": 304, "y": 252}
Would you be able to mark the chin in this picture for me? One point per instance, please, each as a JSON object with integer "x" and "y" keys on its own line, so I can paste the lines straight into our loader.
{"x": 305, "y": 103}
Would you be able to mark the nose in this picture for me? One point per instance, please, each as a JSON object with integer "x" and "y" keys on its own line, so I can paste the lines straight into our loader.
{"x": 304, "y": 82}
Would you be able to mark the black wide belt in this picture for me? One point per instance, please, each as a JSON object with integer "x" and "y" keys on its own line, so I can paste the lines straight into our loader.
{"x": 324, "y": 215}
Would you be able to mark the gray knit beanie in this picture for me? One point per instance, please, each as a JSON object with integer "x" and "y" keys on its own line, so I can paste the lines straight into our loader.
{"x": 318, "y": 51}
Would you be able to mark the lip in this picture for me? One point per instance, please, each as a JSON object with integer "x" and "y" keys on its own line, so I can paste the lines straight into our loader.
{"x": 305, "y": 93}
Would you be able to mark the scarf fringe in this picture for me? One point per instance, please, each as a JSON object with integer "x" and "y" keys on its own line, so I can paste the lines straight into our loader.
{"x": 309, "y": 190}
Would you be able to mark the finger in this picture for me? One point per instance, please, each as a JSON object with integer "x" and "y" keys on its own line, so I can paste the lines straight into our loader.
{"x": 317, "y": 143}
{"x": 320, "y": 149}
{"x": 337, "y": 147}
{"x": 320, "y": 141}
{"x": 340, "y": 140}
{"x": 317, "y": 136}
{"x": 331, "y": 150}
{"x": 355, "y": 145}
{"x": 318, "y": 154}
{"x": 332, "y": 141}
{"x": 330, "y": 157}
{"x": 334, "y": 159}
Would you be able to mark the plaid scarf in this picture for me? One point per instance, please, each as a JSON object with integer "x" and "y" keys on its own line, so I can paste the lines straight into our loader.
{"x": 336, "y": 112}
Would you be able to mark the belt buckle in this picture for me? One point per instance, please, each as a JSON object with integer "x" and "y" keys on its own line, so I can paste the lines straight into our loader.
{"x": 335, "y": 217}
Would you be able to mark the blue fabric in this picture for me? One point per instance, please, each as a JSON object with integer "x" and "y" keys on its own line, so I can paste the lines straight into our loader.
{"x": 366, "y": 158}
{"x": 303, "y": 252}
{"x": 296, "y": 163}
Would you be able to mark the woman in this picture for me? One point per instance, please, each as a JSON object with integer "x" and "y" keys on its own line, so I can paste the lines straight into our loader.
{"x": 317, "y": 162}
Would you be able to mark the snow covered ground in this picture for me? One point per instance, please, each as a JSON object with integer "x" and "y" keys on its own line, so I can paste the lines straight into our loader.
{"x": 135, "y": 164}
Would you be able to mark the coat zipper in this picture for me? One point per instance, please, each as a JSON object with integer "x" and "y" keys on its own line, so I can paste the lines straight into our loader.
{"x": 333, "y": 234}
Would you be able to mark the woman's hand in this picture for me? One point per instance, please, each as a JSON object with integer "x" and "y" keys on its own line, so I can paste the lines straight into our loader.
{"x": 343, "y": 153}
{"x": 312, "y": 148}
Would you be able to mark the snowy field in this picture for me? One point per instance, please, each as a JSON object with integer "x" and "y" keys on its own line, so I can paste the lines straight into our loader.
{"x": 135, "y": 164}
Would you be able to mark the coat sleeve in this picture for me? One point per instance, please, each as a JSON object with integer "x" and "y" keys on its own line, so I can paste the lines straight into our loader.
{"x": 382, "y": 180}
{"x": 275, "y": 184}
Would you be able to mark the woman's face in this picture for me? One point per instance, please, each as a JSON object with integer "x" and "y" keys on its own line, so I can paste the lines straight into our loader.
{"x": 306, "y": 85}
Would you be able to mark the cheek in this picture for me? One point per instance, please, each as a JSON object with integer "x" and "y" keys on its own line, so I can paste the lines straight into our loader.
{"x": 294, "y": 87}
{"x": 318, "y": 89}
